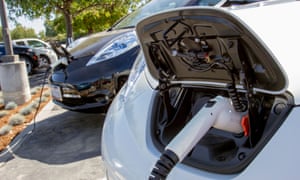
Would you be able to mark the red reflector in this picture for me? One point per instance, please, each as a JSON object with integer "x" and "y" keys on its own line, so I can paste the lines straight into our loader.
{"x": 245, "y": 125}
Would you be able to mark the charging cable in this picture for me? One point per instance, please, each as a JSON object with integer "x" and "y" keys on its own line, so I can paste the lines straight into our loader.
{"x": 218, "y": 113}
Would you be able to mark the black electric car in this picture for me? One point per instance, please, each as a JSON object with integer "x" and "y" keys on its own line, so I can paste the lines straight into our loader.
{"x": 95, "y": 67}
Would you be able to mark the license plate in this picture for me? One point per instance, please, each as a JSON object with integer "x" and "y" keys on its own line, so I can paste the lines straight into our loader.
{"x": 56, "y": 93}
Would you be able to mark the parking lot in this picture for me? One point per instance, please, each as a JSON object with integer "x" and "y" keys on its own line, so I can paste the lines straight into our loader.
{"x": 60, "y": 144}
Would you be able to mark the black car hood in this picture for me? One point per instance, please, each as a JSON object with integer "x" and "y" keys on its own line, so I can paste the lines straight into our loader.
{"x": 208, "y": 47}
{"x": 93, "y": 43}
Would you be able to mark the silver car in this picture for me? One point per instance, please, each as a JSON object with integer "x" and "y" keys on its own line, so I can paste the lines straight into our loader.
{"x": 214, "y": 95}
{"x": 46, "y": 54}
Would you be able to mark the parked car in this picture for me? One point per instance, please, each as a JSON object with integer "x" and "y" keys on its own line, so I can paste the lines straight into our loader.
{"x": 214, "y": 95}
{"x": 100, "y": 63}
{"x": 46, "y": 54}
{"x": 25, "y": 54}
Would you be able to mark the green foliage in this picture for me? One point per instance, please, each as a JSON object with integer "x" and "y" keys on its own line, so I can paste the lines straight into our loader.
{"x": 26, "y": 110}
{"x": 41, "y": 35}
{"x": 97, "y": 19}
{"x": 35, "y": 104}
{"x": 84, "y": 17}
{"x": 50, "y": 28}
{"x": 16, "y": 119}
{"x": 10, "y": 105}
{"x": 5, "y": 129}
{"x": 22, "y": 32}
{"x": 3, "y": 113}
{"x": 46, "y": 94}
{"x": 44, "y": 99}
{"x": 33, "y": 91}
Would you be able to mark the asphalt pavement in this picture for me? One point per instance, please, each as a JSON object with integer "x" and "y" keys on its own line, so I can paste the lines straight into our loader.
{"x": 59, "y": 144}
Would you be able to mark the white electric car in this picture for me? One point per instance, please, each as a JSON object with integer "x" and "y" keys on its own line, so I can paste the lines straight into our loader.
{"x": 215, "y": 95}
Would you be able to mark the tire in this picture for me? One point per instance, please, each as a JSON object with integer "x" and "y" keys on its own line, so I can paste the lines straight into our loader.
{"x": 28, "y": 63}
{"x": 44, "y": 61}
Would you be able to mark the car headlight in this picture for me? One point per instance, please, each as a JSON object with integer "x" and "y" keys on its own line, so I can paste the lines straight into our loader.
{"x": 115, "y": 47}
{"x": 135, "y": 72}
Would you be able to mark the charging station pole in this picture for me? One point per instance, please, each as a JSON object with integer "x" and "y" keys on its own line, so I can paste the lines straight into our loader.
{"x": 13, "y": 74}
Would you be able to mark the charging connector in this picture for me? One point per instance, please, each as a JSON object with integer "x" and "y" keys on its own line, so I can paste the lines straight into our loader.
{"x": 218, "y": 113}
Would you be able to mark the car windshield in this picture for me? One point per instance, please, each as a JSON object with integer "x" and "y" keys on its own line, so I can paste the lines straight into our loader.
{"x": 156, "y": 6}
{"x": 36, "y": 44}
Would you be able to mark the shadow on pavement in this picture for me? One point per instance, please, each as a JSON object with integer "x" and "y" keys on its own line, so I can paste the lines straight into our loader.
{"x": 63, "y": 138}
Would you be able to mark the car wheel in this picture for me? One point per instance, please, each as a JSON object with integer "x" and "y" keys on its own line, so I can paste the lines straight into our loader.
{"x": 28, "y": 64}
{"x": 44, "y": 61}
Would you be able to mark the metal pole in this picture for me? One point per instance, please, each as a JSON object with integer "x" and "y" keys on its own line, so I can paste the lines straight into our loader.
{"x": 13, "y": 75}
{"x": 5, "y": 29}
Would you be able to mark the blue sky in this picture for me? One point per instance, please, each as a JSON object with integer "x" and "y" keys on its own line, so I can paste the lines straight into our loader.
{"x": 36, "y": 24}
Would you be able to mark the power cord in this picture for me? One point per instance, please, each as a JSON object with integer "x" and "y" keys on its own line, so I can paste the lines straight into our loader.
{"x": 40, "y": 98}
{"x": 9, "y": 149}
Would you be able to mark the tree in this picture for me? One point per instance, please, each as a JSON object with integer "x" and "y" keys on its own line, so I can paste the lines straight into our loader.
{"x": 22, "y": 32}
{"x": 51, "y": 29}
{"x": 68, "y": 9}
{"x": 41, "y": 35}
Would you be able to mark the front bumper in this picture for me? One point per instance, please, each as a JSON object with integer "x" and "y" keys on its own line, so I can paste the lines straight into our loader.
{"x": 89, "y": 96}
{"x": 82, "y": 87}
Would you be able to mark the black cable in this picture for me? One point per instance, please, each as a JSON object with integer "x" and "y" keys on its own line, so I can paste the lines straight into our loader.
{"x": 164, "y": 165}
{"x": 40, "y": 98}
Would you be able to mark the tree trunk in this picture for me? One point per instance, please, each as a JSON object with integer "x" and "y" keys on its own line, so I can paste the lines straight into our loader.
{"x": 69, "y": 27}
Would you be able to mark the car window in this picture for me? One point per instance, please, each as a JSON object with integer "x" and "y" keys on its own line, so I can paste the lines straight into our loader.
{"x": 21, "y": 43}
{"x": 36, "y": 44}
{"x": 207, "y": 2}
{"x": 2, "y": 50}
{"x": 156, "y": 6}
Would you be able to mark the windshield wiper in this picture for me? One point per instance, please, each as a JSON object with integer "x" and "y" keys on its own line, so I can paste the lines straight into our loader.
{"x": 240, "y": 2}
{"x": 125, "y": 27}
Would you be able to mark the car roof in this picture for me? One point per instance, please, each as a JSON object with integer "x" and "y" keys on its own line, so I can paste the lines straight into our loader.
{"x": 25, "y": 39}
